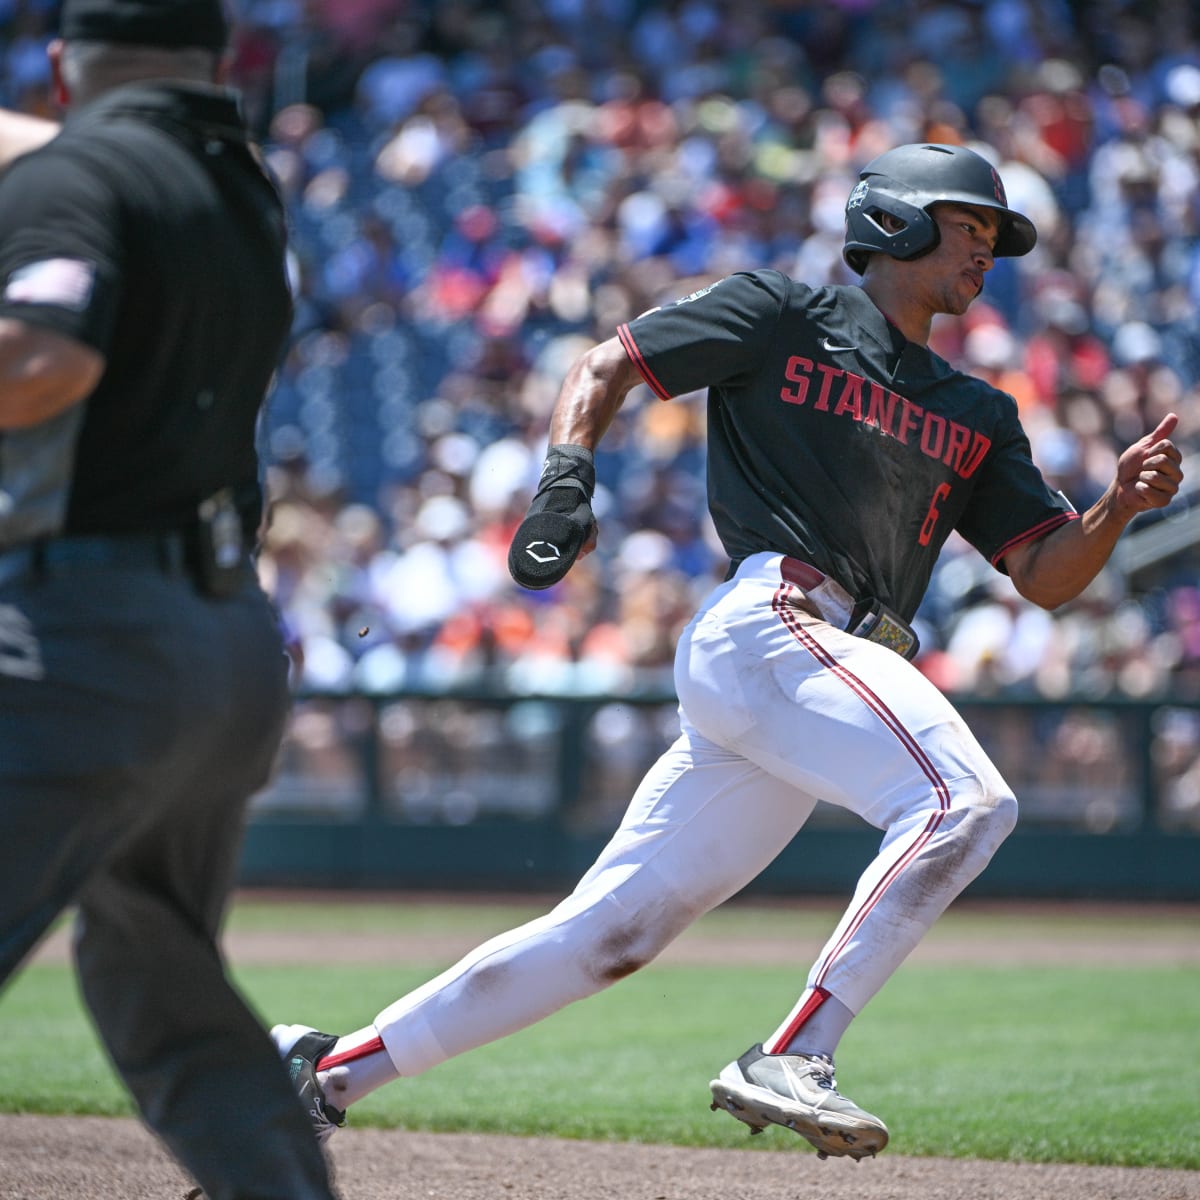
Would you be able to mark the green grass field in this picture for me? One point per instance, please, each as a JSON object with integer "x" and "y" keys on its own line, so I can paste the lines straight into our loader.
{"x": 1064, "y": 1063}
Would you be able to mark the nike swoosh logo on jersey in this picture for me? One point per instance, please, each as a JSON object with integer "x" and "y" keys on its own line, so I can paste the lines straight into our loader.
{"x": 826, "y": 345}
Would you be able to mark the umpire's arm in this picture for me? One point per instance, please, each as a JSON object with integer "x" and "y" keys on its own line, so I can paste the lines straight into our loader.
{"x": 21, "y": 133}
{"x": 42, "y": 373}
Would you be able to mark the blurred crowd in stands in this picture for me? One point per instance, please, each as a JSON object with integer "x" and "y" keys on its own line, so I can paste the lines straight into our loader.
{"x": 481, "y": 188}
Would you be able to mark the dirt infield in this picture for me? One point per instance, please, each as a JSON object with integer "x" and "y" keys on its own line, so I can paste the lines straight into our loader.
{"x": 65, "y": 1158}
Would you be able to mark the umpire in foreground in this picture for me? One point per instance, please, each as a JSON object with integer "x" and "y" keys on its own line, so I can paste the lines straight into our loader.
{"x": 143, "y": 690}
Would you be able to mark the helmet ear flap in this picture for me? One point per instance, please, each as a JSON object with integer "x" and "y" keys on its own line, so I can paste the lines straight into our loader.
{"x": 866, "y": 234}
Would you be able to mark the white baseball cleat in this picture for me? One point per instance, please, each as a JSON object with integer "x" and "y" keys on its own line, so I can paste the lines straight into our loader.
{"x": 797, "y": 1091}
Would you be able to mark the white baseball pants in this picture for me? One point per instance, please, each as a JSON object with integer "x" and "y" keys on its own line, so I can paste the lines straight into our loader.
{"x": 778, "y": 709}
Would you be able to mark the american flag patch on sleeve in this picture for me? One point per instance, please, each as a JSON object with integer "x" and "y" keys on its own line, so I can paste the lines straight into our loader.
{"x": 65, "y": 282}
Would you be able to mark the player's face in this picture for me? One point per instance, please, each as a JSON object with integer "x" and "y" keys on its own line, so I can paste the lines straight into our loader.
{"x": 963, "y": 256}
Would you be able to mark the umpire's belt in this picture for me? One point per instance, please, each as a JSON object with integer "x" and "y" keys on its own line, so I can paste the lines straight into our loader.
{"x": 166, "y": 552}
{"x": 871, "y": 619}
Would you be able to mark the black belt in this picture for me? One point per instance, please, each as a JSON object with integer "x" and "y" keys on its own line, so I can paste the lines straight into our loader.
{"x": 166, "y": 552}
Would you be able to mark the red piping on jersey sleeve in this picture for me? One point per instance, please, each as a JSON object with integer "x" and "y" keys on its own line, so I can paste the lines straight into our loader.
{"x": 635, "y": 356}
{"x": 1031, "y": 535}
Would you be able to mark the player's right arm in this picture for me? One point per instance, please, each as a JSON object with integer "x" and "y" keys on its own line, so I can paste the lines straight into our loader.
{"x": 593, "y": 391}
{"x": 559, "y": 527}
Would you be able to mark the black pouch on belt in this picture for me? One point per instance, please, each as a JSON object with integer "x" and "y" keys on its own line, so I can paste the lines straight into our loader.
{"x": 876, "y": 622}
{"x": 220, "y": 545}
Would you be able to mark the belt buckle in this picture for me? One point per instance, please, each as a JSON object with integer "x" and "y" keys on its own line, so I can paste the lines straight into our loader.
{"x": 833, "y": 603}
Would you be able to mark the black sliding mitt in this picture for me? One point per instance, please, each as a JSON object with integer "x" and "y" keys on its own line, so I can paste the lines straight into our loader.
{"x": 559, "y": 520}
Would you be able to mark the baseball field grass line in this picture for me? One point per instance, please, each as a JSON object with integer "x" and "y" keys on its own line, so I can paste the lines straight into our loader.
{"x": 1047, "y": 1064}
{"x": 277, "y": 927}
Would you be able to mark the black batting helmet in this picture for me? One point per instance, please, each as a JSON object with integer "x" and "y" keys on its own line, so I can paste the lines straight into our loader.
{"x": 905, "y": 182}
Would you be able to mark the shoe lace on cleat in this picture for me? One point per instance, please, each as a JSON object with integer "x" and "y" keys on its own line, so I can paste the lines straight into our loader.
{"x": 820, "y": 1068}
{"x": 325, "y": 1117}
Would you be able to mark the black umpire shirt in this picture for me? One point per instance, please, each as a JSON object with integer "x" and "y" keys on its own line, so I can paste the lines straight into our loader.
{"x": 148, "y": 230}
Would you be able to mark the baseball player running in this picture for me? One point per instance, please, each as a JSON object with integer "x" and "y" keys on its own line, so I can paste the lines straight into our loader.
{"x": 842, "y": 452}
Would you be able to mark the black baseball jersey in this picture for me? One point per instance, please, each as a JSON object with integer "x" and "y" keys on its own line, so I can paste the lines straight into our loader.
{"x": 834, "y": 439}
{"x": 148, "y": 230}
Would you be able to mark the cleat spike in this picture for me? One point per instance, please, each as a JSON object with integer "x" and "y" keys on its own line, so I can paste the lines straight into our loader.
{"x": 797, "y": 1092}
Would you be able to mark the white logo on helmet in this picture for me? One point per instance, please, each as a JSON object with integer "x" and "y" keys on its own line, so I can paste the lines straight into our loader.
{"x": 543, "y": 552}
{"x": 856, "y": 197}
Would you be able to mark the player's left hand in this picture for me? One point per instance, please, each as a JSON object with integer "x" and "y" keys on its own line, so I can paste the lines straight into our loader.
{"x": 1149, "y": 472}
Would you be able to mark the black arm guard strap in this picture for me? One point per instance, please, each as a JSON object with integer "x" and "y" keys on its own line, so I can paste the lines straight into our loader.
{"x": 559, "y": 520}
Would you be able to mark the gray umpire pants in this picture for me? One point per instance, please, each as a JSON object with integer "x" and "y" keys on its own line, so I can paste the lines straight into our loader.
{"x": 136, "y": 718}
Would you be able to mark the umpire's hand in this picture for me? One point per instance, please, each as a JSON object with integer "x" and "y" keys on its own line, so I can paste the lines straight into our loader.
{"x": 559, "y": 525}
